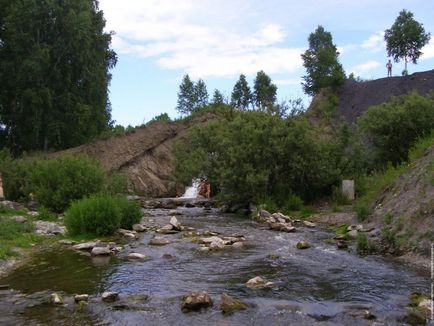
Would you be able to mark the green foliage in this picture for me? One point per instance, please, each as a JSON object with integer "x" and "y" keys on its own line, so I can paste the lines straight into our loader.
{"x": 268, "y": 204}
{"x": 45, "y": 215}
{"x": 342, "y": 229}
{"x": 405, "y": 39}
{"x": 363, "y": 246}
{"x": 362, "y": 211}
{"x": 394, "y": 127}
{"x": 338, "y": 197}
{"x": 264, "y": 91}
{"x": 117, "y": 183}
{"x": 9, "y": 229}
{"x": 201, "y": 94}
{"x": 218, "y": 98}
{"x": 161, "y": 117}
{"x": 101, "y": 215}
{"x": 387, "y": 219}
{"x": 321, "y": 63}
{"x": 253, "y": 155}
{"x": 191, "y": 96}
{"x": 295, "y": 203}
{"x": 54, "y": 73}
{"x": 241, "y": 96}
{"x": 307, "y": 211}
{"x": 57, "y": 182}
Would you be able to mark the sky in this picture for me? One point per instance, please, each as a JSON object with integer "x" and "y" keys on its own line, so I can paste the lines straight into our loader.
{"x": 159, "y": 41}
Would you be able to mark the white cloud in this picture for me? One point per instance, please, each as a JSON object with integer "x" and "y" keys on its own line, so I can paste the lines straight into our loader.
{"x": 172, "y": 34}
{"x": 361, "y": 69}
{"x": 428, "y": 50}
{"x": 375, "y": 42}
{"x": 290, "y": 81}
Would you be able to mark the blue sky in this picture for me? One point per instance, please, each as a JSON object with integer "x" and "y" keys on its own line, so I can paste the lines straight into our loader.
{"x": 158, "y": 41}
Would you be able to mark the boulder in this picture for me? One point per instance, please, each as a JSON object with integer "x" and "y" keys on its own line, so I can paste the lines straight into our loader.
{"x": 255, "y": 282}
{"x": 174, "y": 222}
{"x": 49, "y": 228}
{"x": 84, "y": 246}
{"x": 109, "y": 296}
{"x": 100, "y": 251}
{"x": 303, "y": 245}
{"x": 81, "y": 297}
{"x": 353, "y": 234}
{"x": 217, "y": 244}
{"x": 136, "y": 255}
{"x": 196, "y": 301}
{"x": 19, "y": 219}
{"x": 167, "y": 229}
{"x": 342, "y": 244}
{"x": 229, "y": 304}
{"x": 238, "y": 245}
{"x": 159, "y": 241}
{"x": 127, "y": 233}
{"x": 56, "y": 299}
{"x": 263, "y": 214}
{"x": 174, "y": 212}
{"x": 139, "y": 228}
{"x": 309, "y": 224}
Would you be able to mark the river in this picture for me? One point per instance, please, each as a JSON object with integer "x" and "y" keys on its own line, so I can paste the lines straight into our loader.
{"x": 320, "y": 285}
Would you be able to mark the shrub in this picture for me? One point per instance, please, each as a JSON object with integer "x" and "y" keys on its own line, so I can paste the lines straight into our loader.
{"x": 362, "y": 211}
{"x": 57, "y": 182}
{"x": 364, "y": 247}
{"x": 295, "y": 203}
{"x": 338, "y": 197}
{"x": 117, "y": 183}
{"x": 130, "y": 212}
{"x": 101, "y": 214}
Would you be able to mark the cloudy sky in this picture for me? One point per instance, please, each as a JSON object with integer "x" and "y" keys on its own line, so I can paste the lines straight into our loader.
{"x": 158, "y": 41}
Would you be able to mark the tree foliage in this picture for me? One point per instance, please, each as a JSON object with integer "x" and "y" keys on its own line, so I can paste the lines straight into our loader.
{"x": 405, "y": 38}
{"x": 54, "y": 73}
{"x": 241, "y": 96}
{"x": 191, "y": 95}
{"x": 201, "y": 94}
{"x": 264, "y": 91}
{"x": 321, "y": 62}
{"x": 217, "y": 98}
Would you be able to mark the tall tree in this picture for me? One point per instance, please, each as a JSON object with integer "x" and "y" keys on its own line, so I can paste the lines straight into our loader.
{"x": 241, "y": 94}
{"x": 264, "y": 91}
{"x": 405, "y": 39}
{"x": 200, "y": 94}
{"x": 217, "y": 98}
{"x": 186, "y": 96}
{"x": 54, "y": 73}
{"x": 321, "y": 62}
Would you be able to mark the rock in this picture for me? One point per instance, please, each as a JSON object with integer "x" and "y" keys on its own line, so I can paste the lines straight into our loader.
{"x": 263, "y": 214}
{"x": 284, "y": 227}
{"x": 425, "y": 306}
{"x": 353, "y": 234}
{"x": 414, "y": 317}
{"x": 359, "y": 228}
{"x": 33, "y": 213}
{"x": 282, "y": 216}
{"x": 174, "y": 222}
{"x": 208, "y": 233}
{"x": 229, "y": 304}
{"x": 238, "y": 245}
{"x": 196, "y": 301}
{"x": 136, "y": 255}
{"x": 49, "y": 228}
{"x": 139, "y": 228}
{"x": 368, "y": 315}
{"x": 100, "y": 251}
{"x": 339, "y": 237}
{"x": 303, "y": 245}
{"x": 174, "y": 212}
{"x": 351, "y": 228}
{"x": 109, "y": 296}
{"x": 167, "y": 229}
{"x": 19, "y": 219}
{"x": 255, "y": 282}
{"x": 209, "y": 240}
{"x": 81, "y": 297}
{"x": 4, "y": 286}
{"x": 217, "y": 244}
{"x": 84, "y": 246}
{"x": 159, "y": 241}
{"x": 309, "y": 224}
{"x": 127, "y": 233}
{"x": 66, "y": 242}
{"x": 342, "y": 244}
{"x": 56, "y": 298}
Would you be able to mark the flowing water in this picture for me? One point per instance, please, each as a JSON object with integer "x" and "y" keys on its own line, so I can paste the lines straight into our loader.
{"x": 320, "y": 285}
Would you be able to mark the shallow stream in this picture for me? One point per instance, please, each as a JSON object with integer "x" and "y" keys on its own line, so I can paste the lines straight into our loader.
{"x": 320, "y": 285}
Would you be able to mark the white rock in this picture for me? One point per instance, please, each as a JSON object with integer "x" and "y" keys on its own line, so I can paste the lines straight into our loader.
{"x": 174, "y": 222}
{"x": 100, "y": 251}
{"x": 309, "y": 224}
{"x": 81, "y": 297}
{"x": 139, "y": 228}
{"x": 109, "y": 296}
{"x": 84, "y": 246}
{"x": 255, "y": 281}
{"x": 19, "y": 219}
{"x": 56, "y": 298}
{"x": 136, "y": 255}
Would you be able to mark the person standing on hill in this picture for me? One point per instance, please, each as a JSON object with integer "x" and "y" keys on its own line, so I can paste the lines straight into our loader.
{"x": 389, "y": 69}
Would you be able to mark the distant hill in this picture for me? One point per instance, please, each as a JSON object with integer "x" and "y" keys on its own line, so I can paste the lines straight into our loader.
{"x": 356, "y": 97}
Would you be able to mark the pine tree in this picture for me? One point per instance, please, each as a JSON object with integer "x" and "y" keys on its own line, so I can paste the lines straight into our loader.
{"x": 241, "y": 95}
{"x": 264, "y": 91}
{"x": 217, "y": 98}
{"x": 200, "y": 94}
{"x": 186, "y": 96}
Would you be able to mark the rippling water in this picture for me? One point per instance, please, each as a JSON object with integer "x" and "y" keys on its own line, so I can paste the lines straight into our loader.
{"x": 321, "y": 285}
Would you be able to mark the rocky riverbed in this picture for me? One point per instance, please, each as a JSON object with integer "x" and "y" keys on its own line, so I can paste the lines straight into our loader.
{"x": 197, "y": 266}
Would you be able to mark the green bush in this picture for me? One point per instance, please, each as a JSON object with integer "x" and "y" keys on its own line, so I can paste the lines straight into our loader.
{"x": 393, "y": 127}
{"x": 364, "y": 247}
{"x": 338, "y": 197}
{"x": 59, "y": 181}
{"x": 362, "y": 211}
{"x": 117, "y": 183}
{"x": 295, "y": 203}
{"x": 101, "y": 214}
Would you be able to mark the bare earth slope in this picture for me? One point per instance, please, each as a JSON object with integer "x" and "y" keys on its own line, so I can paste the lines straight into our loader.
{"x": 356, "y": 97}
{"x": 145, "y": 155}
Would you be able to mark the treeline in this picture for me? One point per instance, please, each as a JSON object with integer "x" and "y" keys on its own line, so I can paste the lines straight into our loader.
{"x": 55, "y": 59}
{"x": 257, "y": 156}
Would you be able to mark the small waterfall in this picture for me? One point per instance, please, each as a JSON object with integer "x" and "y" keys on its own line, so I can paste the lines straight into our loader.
{"x": 193, "y": 190}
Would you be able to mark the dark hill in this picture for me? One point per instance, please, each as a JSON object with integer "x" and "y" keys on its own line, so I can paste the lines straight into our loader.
{"x": 356, "y": 97}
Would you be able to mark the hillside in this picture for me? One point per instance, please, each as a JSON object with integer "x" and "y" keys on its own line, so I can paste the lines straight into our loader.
{"x": 144, "y": 154}
{"x": 356, "y": 97}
